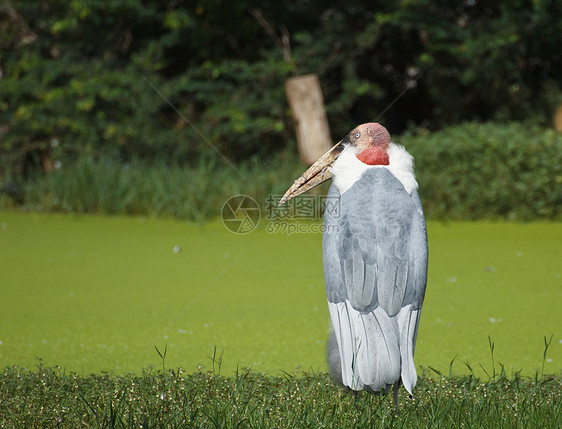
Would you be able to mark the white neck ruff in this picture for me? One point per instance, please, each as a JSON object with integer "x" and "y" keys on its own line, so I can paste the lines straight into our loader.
{"x": 347, "y": 169}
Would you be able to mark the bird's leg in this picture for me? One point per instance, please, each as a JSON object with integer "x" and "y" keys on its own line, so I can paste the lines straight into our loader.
{"x": 356, "y": 400}
{"x": 396, "y": 391}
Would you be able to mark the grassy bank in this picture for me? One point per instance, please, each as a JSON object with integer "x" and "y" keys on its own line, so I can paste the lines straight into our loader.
{"x": 471, "y": 171}
{"x": 157, "y": 189}
{"x": 49, "y": 397}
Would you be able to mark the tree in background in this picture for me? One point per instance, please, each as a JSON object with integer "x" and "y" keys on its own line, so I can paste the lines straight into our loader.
{"x": 130, "y": 78}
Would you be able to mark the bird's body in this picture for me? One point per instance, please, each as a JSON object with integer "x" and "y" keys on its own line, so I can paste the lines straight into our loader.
{"x": 375, "y": 259}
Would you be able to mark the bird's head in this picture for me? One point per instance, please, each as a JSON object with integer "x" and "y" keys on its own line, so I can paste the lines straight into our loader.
{"x": 371, "y": 142}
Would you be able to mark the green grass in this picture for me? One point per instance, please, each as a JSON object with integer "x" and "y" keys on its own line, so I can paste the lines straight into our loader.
{"x": 93, "y": 294}
{"x": 106, "y": 186}
{"x": 49, "y": 397}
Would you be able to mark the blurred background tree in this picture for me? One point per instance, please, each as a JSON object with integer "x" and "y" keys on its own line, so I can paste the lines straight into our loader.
{"x": 106, "y": 77}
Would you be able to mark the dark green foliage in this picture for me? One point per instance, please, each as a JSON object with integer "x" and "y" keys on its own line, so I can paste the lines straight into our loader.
{"x": 484, "y": 171}
{"x": 85, "y": 75}
{"x": 129, "y": 77}
{"x": 50, "y": 397}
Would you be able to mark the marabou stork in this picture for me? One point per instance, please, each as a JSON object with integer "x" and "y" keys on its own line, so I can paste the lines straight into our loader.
{"x": 375, "y": 259}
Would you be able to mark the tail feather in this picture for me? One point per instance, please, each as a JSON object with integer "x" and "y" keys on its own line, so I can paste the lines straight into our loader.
{"x": 368, "y": 347}
{"x": 378, "y": 355}
{"x": 408, "y": 322}
{"x": 347, "y": 343}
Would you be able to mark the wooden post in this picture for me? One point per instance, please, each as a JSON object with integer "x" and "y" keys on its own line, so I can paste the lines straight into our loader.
{"x": 307, "y": 105}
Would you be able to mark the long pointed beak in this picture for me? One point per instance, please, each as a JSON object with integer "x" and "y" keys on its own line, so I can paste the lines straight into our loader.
{"x": 318, "y": 173}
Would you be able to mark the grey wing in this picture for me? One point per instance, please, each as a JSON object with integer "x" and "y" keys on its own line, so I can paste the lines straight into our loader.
{"x": 333, "y": 277}
{"x": 418, "y": 260}
{"x": 375, "y": 258}
{"x": 409, "y": 315}
{"x": 375, "y": 245}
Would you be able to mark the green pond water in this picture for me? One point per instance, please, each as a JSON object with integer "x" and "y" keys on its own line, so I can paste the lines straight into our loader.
{"x": 95, "y": 294}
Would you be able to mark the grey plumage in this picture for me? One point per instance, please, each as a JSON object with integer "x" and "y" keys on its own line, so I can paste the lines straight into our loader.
{"x": 375, "y": 270}
{"x": 334, "y": 361}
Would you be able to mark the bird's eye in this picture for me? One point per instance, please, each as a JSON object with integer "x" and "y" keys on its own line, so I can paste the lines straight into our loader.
{"x": 357, "y": 134}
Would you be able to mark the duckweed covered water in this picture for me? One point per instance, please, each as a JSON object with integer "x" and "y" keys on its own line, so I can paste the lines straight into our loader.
{"x": 95, "y": 294}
